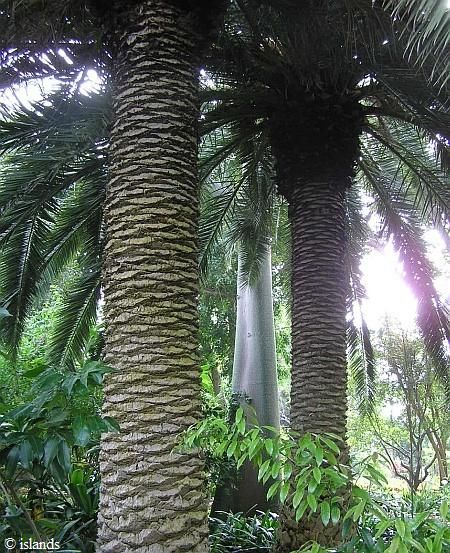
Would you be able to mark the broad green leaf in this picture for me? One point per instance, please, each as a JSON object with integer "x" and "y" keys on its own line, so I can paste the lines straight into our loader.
{"x": 276, "y": 467}
{"x": 241, "y": 461}
{"x": 359, "y": 492}
{"x": 331, "y": 458}
{"x": 25, "y": 454}
{"x": 312, "y": 502}
{"x": 69, "y": 382}
{"x": 335, "y": 514}
{"x": 231, "y": 448}
{"x": 298, "y": 497}
{"x": 241, "y": 426}
{"x": 287, "y": 471}
{"x": 50, "y": 450}
{"x": 81, "y": 496}
{"x": 317, "y": 475}
{"x": 400, "y": 527}
{"x": 239, "y": 415}
{"x": 284, "y": 490}
{"x": 359, "y": 510}
{"x": 273, "y": 489}
{"x": 394, "y": 547}
{"x": 263, "y": 469}
{"x": 268, "y": 444}
{"x": 416, "y": 545}
{"x": 382, "y": 527}
{"x": 81, "y": 431}
{"x": 367, "y": 538}
{"x": 325, "y": 512}
{"x": 319, "y": 456}
{"x": 255, "y": 444}
{"x": 77, "y": 476}
{"x": 312, "y": 486}
{"x": 301, "y": 510}
{"x": 331, "y": 445}
{"x": 63, "y": 456}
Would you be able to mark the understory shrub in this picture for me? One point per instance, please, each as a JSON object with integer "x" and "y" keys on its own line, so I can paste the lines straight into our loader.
{"x": 307, "y": 475}
{"x": 239, "y": 533}
{"x": 49, "y": 444}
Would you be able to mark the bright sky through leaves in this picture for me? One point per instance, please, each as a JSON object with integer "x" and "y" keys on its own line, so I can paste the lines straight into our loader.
{"x": 388, "y": 295}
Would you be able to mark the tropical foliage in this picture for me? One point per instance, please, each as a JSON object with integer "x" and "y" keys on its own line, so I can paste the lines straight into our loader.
{"x": 324, "y": 132}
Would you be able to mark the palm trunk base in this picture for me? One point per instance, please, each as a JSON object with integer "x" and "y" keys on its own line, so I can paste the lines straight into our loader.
{"x": 293, "y": 536}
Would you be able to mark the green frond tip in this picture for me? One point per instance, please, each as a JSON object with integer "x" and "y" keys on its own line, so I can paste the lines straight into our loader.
{"x": 76, "y": 317}
{"x": 361, "y": 364}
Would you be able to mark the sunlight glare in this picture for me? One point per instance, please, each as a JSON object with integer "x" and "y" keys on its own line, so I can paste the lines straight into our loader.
{"x": 387, "y": 294}
{"x": 91, "y": 83}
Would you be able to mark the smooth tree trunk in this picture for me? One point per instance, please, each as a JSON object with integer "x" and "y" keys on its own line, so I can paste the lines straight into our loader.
{"x": 319, "y": 368}
{"x": 152, "y": 497}
{"x": 255, "y": 372}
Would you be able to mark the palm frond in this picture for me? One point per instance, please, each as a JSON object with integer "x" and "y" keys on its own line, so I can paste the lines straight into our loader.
{"x": 51, "y": 190}
{"x": 34, "y": 34}
{"x": 76, "y": 316}
{"x": 252, "y": 224}
{"x": 77, "y": 223}
{"x": 21, "y": 260}
{"x": 233, "y": 171}
{"x": 360, "y": 353}
{"x": 399, "y": 223}
{"x": 361, "y": 364}
{"x": 403, "y": 151}
{"x": 426, "y": 26}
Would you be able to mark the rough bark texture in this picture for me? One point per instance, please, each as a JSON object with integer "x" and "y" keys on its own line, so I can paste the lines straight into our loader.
{"x": 319, "y": 372}
{"x": 152, "y": 498}
{"x": 255, "y": 372}
{"x": 319, "y": 375}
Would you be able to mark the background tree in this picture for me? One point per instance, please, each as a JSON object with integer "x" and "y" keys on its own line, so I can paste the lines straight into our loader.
{"x": 425, "y": 414}
{"x": 254, "y": 378}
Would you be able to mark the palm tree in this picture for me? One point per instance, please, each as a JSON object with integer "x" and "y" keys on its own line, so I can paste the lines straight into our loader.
{"x": 151, "y": 497}
{"x": 401, "y": 208}
{"x": 329, "y": 86}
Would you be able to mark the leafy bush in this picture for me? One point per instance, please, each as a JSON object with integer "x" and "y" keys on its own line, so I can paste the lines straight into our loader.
{"x": 49, "y": 457}
{"x": 309, "y": 478}
{"x": 239, "y": 533}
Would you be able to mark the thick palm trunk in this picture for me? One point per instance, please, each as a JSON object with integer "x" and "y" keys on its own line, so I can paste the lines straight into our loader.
{"x": 319, "y": 377}
{"x": 319, "y": 371}
{"x": 255, "y": 371}
{"x": 152, "y": 498}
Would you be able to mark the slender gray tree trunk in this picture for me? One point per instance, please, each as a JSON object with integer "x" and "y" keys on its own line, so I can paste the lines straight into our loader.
{"x": 255, "y": 370}
{"x": 152, "y": 498}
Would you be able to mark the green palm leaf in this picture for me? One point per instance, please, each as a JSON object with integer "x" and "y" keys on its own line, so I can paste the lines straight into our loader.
{"x": 52, "y": 187}
{"x": 76, "y": 316}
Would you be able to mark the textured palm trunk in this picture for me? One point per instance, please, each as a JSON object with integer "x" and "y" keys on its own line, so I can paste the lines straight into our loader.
{"x": 152, "y": 499}
{"x": 319, "y": 371}
{"x": 255, "y": 371}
